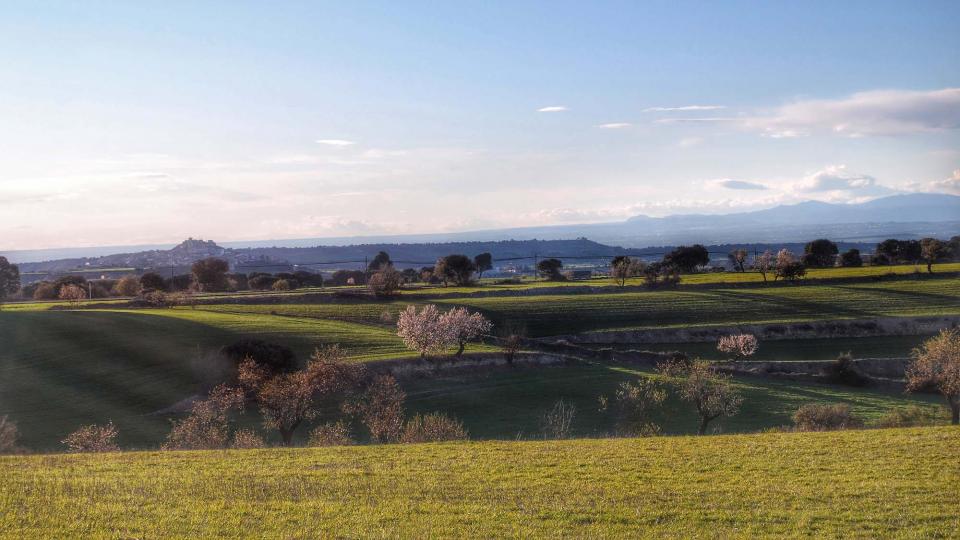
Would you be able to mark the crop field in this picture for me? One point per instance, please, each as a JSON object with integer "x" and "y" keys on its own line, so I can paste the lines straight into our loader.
{"x": 866, "y": 484}
{"x": 718, "y": 278}
{"x": 558, "y": 314}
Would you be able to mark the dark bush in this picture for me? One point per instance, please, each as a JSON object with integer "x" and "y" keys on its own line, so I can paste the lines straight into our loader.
{"x": 851, "y": 259}
{"x": 152, "y": 281}
{"x": 843, "y": 371}
{"x": 261, "y": 282}
{"x": 687, "y": 258}
{"x": 348, "y": 277}
{"x": 277, "y": 358}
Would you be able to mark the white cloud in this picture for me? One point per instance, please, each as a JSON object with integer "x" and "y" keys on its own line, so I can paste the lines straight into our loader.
{"x": 949, "y": 185}
{"x": 836, "y": 178}
{"x": 335, "y": 142}
{"x": 729, "y": 183}
{"x": 615, "y": 125}
{"x": 699, "y": 120}
{"x": 876, "y": 112}
{"x": 553, "y": 108}
{"x": 685, "y": 108}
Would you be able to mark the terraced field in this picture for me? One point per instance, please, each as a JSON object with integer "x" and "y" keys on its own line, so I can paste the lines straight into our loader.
{"x": 853, "y": 484}
{"x": 558, "y": 314}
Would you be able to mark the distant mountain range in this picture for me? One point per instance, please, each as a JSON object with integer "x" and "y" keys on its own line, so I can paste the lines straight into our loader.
{"x": 925, "y": 207}
{"x": 899, "y": 216}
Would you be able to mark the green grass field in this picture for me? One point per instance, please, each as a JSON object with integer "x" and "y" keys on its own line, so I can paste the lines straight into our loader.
{"x": 66, "y": 369}
{"x": 60, "y": 369}
{"x": 794, "y": 349}
{"x": 557, "y": 314}
{"x": 854, "y": 484}
{"x": 511, "y": 402}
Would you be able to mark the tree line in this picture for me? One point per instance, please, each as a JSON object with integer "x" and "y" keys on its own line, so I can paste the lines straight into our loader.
{"x": 383, "y": 279}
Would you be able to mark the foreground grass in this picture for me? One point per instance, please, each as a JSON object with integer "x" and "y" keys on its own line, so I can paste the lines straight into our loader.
{"x": 868, "y": 484}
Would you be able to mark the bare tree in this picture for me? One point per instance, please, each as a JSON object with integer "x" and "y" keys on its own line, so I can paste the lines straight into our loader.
{"x": 933, "y": 250}
{"x": 623, "y": 268}
{"x": 556, "y": 422}
{"x": 710, "y": 392}
{"x": 93, "y": 438}
{"x": 286, "y": 400}
{"x": 380, "y": 408}
{"x": 208, "y": 425}
{"x": 738, "y": 258}
{"x": 739, "y": 345}
{"x": 633, "y": 405}
{"x": 936, "y": 363}
{"x": 460, "y": 326}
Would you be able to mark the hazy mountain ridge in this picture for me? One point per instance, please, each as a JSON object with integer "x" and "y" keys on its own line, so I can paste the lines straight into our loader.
{"x": 900, "y": 216}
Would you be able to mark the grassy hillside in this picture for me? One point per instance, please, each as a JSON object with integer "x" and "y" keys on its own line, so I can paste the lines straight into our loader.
{"x": 866, "y": 484}
{"x": 567, "y": 314}
{"x": 509, "y": 403}
{"x": 61, "y": 369}
{"x": 65, "y": 371}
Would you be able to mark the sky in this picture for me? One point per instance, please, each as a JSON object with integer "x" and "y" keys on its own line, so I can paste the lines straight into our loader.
{"x": 128, "y": 123}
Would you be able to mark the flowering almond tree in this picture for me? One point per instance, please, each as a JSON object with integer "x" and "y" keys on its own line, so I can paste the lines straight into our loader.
{"x": 461, "y": 326}
{"x": 421, "y": 330}
{"x": 739, "y": 345}
{"x": 764, "y": 264}
{"x": 936, "y": 363}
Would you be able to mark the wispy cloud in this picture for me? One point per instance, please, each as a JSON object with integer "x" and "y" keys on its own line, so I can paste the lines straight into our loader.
{"x": 335, "y": 142}
{"x": 688, "y": 142}
{"x": 698, "y": 120}
{"x": 553, "y": 108}
{"x": 615, "y": 125}
{"x": 729, "y": 183}
{"x": 685, "y": 108}
{"x": 877, "y": 112}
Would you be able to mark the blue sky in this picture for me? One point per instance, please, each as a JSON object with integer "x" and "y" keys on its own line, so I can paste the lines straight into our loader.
{"x": 123, "y": 122}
